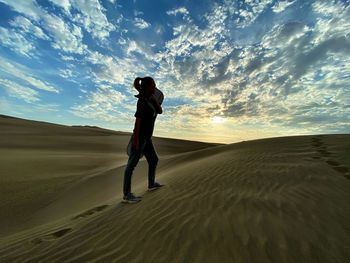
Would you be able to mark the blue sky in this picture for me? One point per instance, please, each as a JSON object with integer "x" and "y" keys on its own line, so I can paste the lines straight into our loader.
{"x": 229, "y": 70}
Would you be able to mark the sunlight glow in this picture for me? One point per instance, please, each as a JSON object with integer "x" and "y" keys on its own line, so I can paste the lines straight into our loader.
{"x": 217, "y": 119}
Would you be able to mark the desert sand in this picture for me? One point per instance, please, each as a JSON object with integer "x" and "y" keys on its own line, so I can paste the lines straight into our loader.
{"x": 272, "y": 200}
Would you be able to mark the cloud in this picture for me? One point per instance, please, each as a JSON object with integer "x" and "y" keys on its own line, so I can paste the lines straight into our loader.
{"x": 16, "y": 42}
{"x": 21, "y": 73}
{"x": 13, "y": 89}
{"x": 29, "y": 8}
{"x": 92, "y": 18}
{"x": 287, "y": 85}
{"x": 176, "y": 11}
{"x": 104, "y": 103}
{"x": 282, "y": 35}
{"x": 66, "y": 37}
{"x": 340, "y": 45}
{"x": 332, "y": 21}
{"x": 195, "y": 56}
{"x": 65, "y": 4}
{"x": 10, "y": 107}
{"x": 241, "y": 61}
{"x": 67, "y": 58}
{"x": 329, "y": 10}
{"x": 281, "y": 6}
{"x": 140, "y": 23}
{"x": 133, "y": 47}
{"x": 139, "y": 50}
{"x": 28, "y": 27}
{"x": 246, "y": 14}
{"x": 66, "y": 73}
{"x": 115, "y": 70}
{"x": 271, "y": 80}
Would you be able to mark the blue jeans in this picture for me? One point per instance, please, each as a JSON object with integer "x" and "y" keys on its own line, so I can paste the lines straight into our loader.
{"x": 146, "y": 147}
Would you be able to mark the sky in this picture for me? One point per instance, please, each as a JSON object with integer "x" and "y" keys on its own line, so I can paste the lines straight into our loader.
{"x": 229, "y": 70}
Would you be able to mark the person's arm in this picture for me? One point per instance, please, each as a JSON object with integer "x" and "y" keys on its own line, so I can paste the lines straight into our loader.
{"x": 155, "y": 103}
{"x": 135, "y": 142}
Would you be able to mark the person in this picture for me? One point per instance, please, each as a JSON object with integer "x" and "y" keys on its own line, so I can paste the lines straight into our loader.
{"x": 146, "y": 113}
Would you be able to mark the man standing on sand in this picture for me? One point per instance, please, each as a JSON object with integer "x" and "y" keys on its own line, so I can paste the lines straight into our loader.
{"x": 148, "y": 107}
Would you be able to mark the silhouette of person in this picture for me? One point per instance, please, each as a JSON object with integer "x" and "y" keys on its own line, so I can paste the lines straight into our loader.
{"x": 148, "y": 107}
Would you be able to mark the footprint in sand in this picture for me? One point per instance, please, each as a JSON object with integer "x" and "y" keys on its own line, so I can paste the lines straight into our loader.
{"x": 333, "y": 163}
{"x": 90, "y": 212}
{"x": 339, "y": 168}
{"x": 52, "y": 236}
{"x": 321, "y": 148}
{"x": 60, "y": 233}
{"x": 323, "y": 151}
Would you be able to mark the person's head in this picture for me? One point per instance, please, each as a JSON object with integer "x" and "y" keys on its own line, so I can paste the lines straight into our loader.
{"x": 145, "y": 86}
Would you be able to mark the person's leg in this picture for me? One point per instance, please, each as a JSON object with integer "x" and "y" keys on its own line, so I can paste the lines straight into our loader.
{"x": 132, "y": 162}
{"x": 152, "y": 159}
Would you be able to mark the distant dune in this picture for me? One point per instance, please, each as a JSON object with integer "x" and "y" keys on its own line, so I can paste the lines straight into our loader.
{"x": 273, "y": 200}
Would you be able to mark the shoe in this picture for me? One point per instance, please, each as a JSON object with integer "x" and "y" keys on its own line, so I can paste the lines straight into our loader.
{"x": 155, "y": 186}
{"x": 131, "y": 198}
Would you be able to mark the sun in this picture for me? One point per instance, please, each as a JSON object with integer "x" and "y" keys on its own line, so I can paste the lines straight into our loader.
{"x": 217, "y": 119}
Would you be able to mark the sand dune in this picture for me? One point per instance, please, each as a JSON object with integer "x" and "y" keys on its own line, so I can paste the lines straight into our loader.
{"x": 273, "y": 200}
{"x": 44, "y": 166}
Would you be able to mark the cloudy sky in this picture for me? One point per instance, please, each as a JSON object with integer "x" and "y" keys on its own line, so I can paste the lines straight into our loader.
{"x": 229, "y": 70}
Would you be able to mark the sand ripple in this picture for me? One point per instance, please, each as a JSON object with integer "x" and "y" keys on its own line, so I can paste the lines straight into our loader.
{"x": 261, "y": 201}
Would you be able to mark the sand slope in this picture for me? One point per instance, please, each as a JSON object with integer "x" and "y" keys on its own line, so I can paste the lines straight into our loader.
{"x": 50, "y": 171}
{"x": 274, "y": 200}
